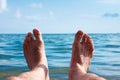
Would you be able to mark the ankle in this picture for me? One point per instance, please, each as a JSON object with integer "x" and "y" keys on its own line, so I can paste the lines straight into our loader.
{"x": 77, "y": 67}
{"x": 41, "y": 68}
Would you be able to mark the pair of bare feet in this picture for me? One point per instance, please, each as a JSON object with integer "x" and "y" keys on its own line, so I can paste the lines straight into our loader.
{"x": 34, "y": 52}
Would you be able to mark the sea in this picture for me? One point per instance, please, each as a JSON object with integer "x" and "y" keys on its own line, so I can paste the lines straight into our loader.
{"x": 58, "y": 47}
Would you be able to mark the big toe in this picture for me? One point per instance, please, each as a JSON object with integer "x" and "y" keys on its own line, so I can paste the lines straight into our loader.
{"x": 78, "y": 36}
{"x": 37, "y": 34}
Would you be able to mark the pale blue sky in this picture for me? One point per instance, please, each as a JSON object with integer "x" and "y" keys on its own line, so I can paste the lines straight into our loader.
{"x": 60, "y": 16}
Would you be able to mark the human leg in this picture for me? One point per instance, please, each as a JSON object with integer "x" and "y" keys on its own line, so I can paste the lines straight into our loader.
{"x": 82, "y": 52}
{"x": 35, "y": 57}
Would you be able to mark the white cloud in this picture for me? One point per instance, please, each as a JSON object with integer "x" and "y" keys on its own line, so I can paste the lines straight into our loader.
{"x": 18, "y": 13}
{"x": 36, "y": 5}
{"x": 109, "y": 1}
{"x": 3, "y": 5}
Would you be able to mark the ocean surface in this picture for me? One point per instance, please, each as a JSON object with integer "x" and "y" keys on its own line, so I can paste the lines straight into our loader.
{"x": 105, "y": 62}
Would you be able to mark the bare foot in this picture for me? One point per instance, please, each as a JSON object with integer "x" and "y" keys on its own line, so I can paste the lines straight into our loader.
{"x": 34, "y": 51}
{"x": 82, "y": 51}
{"x": 35, "y": 57}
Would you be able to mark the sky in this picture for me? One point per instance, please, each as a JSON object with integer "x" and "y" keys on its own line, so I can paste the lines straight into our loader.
{"x": 60, "y": 16}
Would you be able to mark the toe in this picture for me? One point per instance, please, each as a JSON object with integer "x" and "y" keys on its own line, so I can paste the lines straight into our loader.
{"x": 87, "y": 41}
{"x": 25, "y": 46}
{"x": 28, "y": 40}
{"x": 30, "y": 36}
{"x": 90, "y": 43}
{"x": 25, "y": 41}
{"x": 78, "y": 36}
{"x": 37, "y": 34}
{"x": 84, "y": 39}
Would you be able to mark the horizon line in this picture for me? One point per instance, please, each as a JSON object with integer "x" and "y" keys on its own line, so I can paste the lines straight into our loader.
{"x": 70, "y": 33}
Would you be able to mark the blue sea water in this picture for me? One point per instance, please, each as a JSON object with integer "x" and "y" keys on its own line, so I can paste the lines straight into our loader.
{"x": 105, "y": 62}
